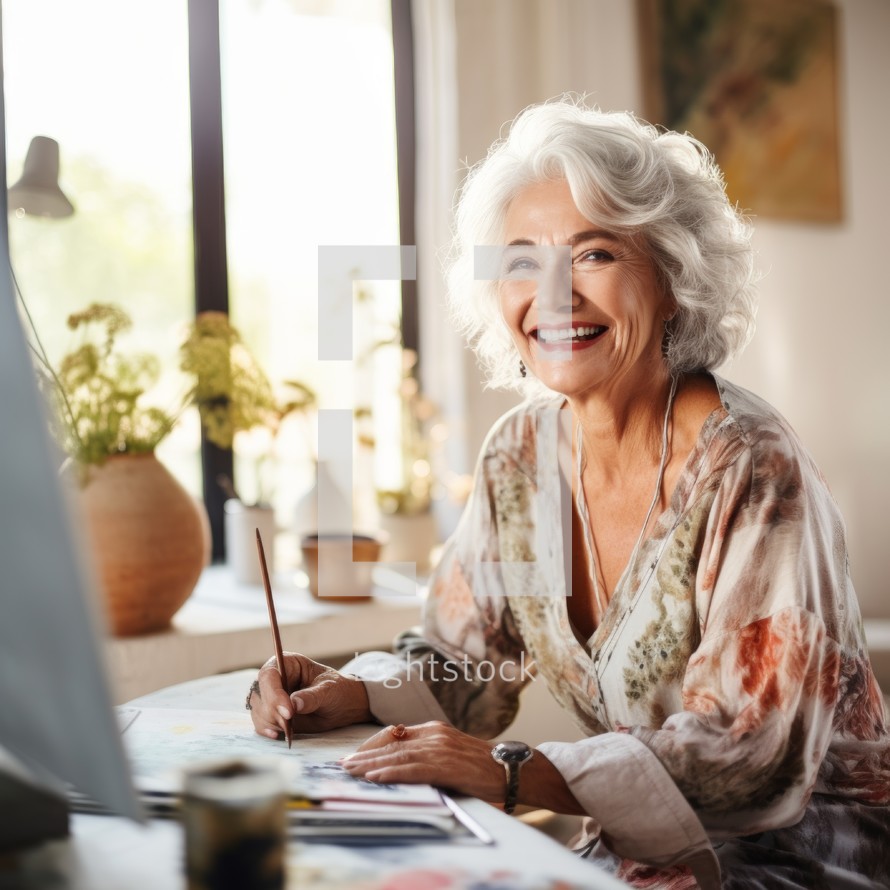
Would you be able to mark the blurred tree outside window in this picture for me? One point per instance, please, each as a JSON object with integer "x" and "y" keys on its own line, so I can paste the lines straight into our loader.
{"x": 90, "y": 75}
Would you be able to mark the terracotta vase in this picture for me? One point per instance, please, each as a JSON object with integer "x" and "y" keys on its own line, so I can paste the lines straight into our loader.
{"x": 149, "y": 538}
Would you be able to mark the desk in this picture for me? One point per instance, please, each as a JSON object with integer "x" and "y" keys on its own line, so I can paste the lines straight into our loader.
{"x": 225, "y": 626}
{"x": 110, "y": 854}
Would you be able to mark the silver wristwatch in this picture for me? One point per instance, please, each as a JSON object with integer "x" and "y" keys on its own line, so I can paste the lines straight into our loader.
{"x": 512, "y": 755}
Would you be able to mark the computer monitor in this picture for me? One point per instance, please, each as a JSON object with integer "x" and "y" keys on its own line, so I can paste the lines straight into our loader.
{"x": 56, "y": 716}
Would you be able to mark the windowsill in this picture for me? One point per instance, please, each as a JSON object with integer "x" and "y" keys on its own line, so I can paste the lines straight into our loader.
{"x": 224, "y": 626}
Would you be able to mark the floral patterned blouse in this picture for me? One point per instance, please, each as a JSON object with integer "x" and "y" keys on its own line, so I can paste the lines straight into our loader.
{"x": 736, "y": 735}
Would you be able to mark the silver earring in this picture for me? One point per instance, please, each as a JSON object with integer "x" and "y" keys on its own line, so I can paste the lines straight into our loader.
{"x": 522, "y": 371}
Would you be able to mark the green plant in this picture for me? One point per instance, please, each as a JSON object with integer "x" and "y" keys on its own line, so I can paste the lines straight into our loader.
{"x": 417, "y": 416}
{"x": 99, "y": 393}
{"x": 415, "y": 483}
{"x": 233, "y": 394}
{"x": 230, "y": 390}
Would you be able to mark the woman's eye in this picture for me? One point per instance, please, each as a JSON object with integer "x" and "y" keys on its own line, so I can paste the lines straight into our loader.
{"x": 595, "y": 255}
{"x": 522, "y": 264}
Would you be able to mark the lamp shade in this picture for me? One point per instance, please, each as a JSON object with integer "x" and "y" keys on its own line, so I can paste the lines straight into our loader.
{"x": 38, "y": 192}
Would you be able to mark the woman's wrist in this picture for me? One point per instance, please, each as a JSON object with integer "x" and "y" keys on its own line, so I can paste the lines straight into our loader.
{"x": 541, "y": 785}
{"x": 358, "y": 703}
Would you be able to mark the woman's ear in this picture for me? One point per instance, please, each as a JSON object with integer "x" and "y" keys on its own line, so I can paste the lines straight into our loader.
{"x": 669, "y": 307}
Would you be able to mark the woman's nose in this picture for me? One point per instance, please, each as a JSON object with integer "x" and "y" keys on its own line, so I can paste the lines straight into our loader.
{"x": 554, "y": 292}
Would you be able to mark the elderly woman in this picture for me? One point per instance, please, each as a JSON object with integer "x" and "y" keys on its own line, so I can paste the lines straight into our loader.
{"x": 653, "y": 538}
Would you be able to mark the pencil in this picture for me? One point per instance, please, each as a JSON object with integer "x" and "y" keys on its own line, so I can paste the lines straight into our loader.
{"x": 276, "y": 636}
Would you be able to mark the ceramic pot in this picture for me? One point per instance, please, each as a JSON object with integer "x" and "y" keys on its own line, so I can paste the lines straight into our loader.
{"x": 149, "y": 538}
{"x": 339, "y": 565}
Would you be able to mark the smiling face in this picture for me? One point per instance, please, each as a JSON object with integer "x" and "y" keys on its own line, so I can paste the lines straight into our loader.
{"x": 583, "y": 306}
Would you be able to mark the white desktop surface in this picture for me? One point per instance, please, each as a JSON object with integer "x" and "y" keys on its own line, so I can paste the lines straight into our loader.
{"x": 107, "y": 853}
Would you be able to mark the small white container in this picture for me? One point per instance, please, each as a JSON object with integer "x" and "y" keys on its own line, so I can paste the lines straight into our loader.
{"x": 241, "y": 523}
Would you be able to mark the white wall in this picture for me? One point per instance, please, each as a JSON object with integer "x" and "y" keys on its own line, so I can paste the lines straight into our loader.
{"x": 819, "y": 353}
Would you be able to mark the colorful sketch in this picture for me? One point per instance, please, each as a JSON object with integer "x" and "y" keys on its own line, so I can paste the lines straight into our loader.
{"x": 756, "y": 82}
{"x": 354, "y": 871}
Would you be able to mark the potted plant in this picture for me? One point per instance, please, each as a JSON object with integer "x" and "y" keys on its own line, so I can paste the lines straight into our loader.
{"x": 405, "y": 512}
{"x": 148, "y": 536}
{"x": 235, "y": 397}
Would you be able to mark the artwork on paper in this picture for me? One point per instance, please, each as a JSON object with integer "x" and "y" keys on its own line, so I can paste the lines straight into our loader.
{"x": 756, "y": 82}
{"x": 162, "y": 742}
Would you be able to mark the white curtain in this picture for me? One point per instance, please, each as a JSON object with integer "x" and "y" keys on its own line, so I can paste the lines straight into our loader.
{"x": 443, "y": 367}
{"x": 477, "y": 64}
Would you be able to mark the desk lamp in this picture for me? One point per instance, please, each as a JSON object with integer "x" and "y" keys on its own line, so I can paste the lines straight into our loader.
{"x": 37, "y": 193}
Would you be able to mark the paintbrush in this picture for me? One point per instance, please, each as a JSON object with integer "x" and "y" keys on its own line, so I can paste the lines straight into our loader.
{"x": 276, "y": 636}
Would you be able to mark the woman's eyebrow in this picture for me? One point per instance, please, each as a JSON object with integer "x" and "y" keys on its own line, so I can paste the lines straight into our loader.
{"x": 592, "y": 235}
{"x": 574, "y": 241}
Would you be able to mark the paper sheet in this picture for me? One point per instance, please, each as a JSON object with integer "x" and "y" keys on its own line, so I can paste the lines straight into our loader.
{"x": 163, "y": 741}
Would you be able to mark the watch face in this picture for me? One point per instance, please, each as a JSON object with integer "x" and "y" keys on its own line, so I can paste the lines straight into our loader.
{"x": 511, "y": 752}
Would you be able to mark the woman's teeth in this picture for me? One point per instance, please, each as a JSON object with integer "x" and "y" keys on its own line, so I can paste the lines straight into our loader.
{"x": 554, "y": 335}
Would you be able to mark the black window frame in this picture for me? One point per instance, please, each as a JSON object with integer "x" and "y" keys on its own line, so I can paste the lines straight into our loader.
{"x": 208, "y": 196}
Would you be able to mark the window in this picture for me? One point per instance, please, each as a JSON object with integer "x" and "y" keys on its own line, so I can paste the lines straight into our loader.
{"x": 309, "y": 147}
{"x": 310, "y": 159}
{"x": 88, "y": 75}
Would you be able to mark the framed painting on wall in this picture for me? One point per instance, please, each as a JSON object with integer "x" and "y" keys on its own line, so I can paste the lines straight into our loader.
{"x": 756, "y": 82}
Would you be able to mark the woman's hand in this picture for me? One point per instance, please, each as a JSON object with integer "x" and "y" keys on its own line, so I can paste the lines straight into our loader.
{"x": 437, "y": 754}
{"x": 433, "y": 753}
{"x": 314, "y": 697}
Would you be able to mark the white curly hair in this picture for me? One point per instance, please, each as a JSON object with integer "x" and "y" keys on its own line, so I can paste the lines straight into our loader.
{"x": 659, "y": 188}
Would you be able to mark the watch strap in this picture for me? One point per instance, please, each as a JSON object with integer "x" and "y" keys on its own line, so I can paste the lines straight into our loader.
{"x": 512, "y": 770}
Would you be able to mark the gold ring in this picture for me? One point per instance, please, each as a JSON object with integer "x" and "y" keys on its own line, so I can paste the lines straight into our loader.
{"x": 398, "y": 732}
